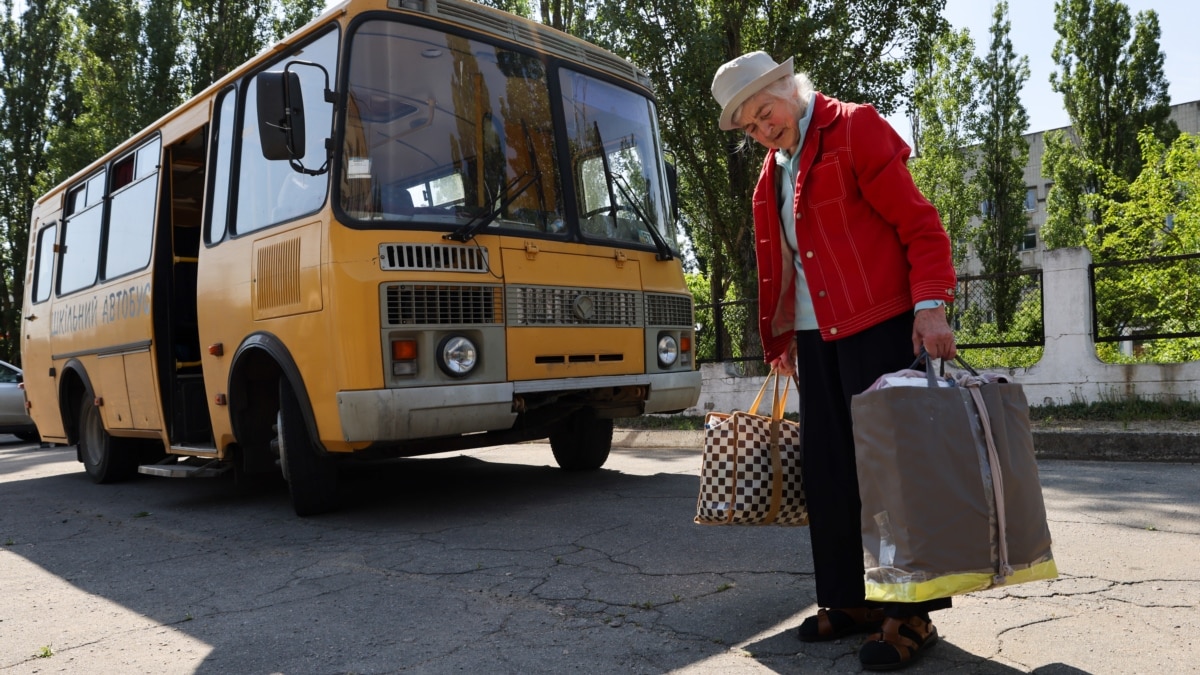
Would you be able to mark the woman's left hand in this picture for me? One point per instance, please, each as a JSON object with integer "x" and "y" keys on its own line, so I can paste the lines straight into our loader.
{"x": 931, "y": 331}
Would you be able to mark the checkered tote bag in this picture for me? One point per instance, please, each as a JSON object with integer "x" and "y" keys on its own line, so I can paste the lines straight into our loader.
{"x": 751, "y": 474}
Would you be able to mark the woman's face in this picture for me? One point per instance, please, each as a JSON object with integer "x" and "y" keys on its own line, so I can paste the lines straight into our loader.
{"x": 771, "y": 121}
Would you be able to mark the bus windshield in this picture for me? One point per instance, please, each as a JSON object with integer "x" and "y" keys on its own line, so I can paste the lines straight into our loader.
{"x": 442, "y": 130}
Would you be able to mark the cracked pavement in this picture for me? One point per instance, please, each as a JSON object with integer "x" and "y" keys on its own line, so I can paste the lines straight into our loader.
{"x": 493, "y": 560}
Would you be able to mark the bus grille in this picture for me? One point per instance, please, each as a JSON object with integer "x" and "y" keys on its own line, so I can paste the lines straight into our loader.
{"x": 550, "y": 306}
{"x": 432, "y": 257}
{"x": 669, "y": 310}
{"x": 428, "y": 304}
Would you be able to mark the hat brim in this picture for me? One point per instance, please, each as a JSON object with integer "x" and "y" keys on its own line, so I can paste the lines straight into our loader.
{"x": 753, "y": 87}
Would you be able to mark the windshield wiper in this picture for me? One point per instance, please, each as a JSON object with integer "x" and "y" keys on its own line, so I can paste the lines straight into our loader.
{"x": 509, "y": 194}
{"x": 664, "y": 250}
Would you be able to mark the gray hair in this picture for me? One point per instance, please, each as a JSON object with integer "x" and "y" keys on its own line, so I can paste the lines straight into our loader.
{"x": 798, "y": 89}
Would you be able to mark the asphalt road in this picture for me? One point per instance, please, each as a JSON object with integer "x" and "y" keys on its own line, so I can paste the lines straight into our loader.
{"x": 494, "y": 561}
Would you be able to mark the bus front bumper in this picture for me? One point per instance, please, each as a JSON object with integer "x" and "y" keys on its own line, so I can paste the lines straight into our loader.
{"x": 432, "y": 412}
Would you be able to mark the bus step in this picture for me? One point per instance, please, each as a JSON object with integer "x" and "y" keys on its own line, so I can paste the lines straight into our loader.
{"x": 192, "y": 467}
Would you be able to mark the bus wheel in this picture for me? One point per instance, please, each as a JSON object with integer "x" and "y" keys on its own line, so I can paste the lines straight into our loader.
{"x": 311, "y": 476}
{"x": 582, "y": 441}
{"x": 103, "y": 460}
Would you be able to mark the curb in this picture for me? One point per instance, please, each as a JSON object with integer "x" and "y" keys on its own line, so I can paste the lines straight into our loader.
{"x": 1074, "y": 444}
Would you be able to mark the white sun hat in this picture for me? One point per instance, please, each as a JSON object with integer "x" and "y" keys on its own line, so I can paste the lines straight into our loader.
{"x": 742, "y": 78}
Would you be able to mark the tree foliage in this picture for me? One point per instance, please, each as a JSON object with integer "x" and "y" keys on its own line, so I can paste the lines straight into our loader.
{"x": 854, "y": 50}
{"x": 1112, "y": 82}
{"x": 1000, "y": 175}
{"x": 944, "y": 103}
{"x": 30, "y": 71}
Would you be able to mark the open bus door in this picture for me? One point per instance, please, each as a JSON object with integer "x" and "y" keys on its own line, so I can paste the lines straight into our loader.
{"x": 177, "y": 332}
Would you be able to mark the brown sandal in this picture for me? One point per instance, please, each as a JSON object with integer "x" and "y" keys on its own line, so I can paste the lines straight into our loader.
{"x": 899, "y": 644}
{"x": 832, "y": 624}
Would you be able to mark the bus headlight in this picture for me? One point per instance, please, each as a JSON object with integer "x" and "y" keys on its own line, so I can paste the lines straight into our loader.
{"x": 457, "y": 356}
{"x": 668, "y": 351}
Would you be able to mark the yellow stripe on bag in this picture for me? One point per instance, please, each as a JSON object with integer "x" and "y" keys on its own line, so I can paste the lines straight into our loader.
{"x": 954, "y": 584}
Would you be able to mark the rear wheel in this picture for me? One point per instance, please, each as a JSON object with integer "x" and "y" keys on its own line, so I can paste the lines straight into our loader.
{"x": 104, "y": 460}
{"x": 582, "y": 441}
{"x": 311, "y": 474}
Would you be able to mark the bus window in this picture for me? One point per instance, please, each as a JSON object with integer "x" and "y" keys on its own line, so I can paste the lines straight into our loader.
{"x": 45, "y": 263}
{"x": 270, "y": 192}
{"x": 81, "y": 237}
{"x": 218, "y": 193}
{"x": 620, "y": 190}
{"x": 131, "y": 219}
{"x": 467, "y": 132}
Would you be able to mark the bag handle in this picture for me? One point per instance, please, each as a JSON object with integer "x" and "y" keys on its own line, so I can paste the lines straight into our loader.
{"x": 778, "y": 403}
{"x": 930, "y": 377}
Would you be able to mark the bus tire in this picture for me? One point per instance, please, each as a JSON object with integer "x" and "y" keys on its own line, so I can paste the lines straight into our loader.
{"x": 582, "y": 441}
{"x": 104, "y": 460}
{"x": 311, "y": 475}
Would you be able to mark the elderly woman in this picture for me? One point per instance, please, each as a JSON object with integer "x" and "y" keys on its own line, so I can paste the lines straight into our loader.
{"x": 854, "y": 273}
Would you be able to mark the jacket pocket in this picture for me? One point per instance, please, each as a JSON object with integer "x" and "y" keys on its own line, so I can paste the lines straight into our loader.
{"x": 825, "y": 183}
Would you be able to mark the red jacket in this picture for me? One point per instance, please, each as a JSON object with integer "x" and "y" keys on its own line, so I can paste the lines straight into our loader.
{"x": 872, "y": 246}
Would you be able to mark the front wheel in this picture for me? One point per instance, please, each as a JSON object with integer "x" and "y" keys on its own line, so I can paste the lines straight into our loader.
{"x": 311, "y": 474}
{"x": 104, "y": 461}
{"x": 582, "y": 441}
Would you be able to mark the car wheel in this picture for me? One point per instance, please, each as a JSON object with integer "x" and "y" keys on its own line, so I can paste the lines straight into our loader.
{"x": 582, "y": 441}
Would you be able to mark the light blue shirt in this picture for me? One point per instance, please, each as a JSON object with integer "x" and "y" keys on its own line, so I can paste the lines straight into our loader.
{"x": 806, "y": 316}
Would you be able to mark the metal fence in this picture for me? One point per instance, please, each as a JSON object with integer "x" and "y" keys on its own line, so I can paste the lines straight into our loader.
{"x": 996, "y": 310}
{"x": 1147, "y": 299}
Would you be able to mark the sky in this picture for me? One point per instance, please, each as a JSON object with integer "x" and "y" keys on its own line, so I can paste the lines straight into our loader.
{"x": 1033, "y": 35}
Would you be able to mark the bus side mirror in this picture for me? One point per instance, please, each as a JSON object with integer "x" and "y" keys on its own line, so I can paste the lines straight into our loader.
{"x": 673, "y": 189}
{"x": 280, "y": 115}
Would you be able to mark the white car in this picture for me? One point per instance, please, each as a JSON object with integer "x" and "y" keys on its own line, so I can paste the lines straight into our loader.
{"x": 14, "y": 418}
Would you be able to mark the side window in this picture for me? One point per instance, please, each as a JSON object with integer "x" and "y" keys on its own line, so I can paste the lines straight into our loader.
{"x": 131, "y": 220}
{"x": 42, "y": 273}
{"x": 222, "y": 152}
{"x": 81, "y": 236}
{"x": 271, "y": 192}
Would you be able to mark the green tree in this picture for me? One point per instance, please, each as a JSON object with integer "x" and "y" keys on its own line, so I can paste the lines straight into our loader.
{"x": 1000, "y": 174}
{"x": 221, "y": 35}
{"x": 855, "y": 50}
{"x": 29, "y": 77}
{"x": 944, "y": 101}
{"x": 1112, "y": 83}
{"x": 1156, "y": 215}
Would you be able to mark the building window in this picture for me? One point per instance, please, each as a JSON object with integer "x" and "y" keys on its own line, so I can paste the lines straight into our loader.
{"x": 1029, "y": 241}
{"x": 1031, "y": 199}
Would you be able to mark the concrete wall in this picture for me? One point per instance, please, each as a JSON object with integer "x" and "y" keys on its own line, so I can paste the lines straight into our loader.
{"x": 1068, "y": 372}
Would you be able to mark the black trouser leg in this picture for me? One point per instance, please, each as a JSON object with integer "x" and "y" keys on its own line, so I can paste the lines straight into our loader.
{"x": 829, "y": 374}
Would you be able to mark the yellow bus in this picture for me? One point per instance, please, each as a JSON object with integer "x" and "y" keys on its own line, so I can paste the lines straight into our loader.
{"x": 413, "y": 226}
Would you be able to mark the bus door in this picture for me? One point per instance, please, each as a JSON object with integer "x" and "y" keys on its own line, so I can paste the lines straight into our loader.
{"x": 36, "y": 329}
{"x": 178, "y": 344}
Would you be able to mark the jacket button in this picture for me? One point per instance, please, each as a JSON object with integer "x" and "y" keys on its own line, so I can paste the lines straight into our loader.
{"x": 809, "y": 254}
{"x": 833, "y": 331}
{"x": 821, "y": 294}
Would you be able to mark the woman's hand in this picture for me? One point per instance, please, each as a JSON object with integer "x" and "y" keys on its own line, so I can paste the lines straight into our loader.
{"x": 785, "y": 364}
{"x": 931, "y": 331}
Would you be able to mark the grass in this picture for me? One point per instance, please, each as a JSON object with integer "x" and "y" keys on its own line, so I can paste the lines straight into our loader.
{"x": 1100, "y": 411}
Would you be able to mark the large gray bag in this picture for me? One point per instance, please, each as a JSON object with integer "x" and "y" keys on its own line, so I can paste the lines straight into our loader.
{"x": 949, "y": 485}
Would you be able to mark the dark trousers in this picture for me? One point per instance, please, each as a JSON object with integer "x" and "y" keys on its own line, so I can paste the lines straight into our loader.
{"x": 828, "y": 374}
